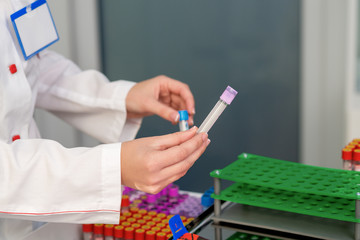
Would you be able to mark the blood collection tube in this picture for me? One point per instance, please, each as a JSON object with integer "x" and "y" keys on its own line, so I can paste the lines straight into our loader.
{"x": 150, "y": 235}
{"x": 160, "y": 225}
{"x": 151, "y": 224}
{"x": 161, "y": 215}
{"x": 183, "y": 120}
{"x": 183, "y": 218}
{"x": 129, "y": 233}
{"x": 156, "y": 220}
{"x": 352, "y": 143}
{"x": 126, "y": 214}
{"x": 125, "y": 203}
{"x": 356, "y": 159}
{"x": 119, "y": 232}
{"x": 136, "y": 202}
{"x": 143, "y": 212}
{"x": 173, "y": 194}
{"x": 131, "y": 220}
{"x": 134, "y": 209}
{"x": 152, "y": 213}
{"x": 347, "y": 158}
{"x": 122, "y": 219}
{"x": 166, "y": 231}
{"x": 141, "y": 222}
{"x": 156, "y": 229}
{"x": 151, "y": 201}
{"x": 126, "y": 224}
{"x": 225, "y": 100}
{"x": 160, "y": 236}
{"x": 137, "y": 216}
{"x": 146, "y": 227}
{"x": 109, "y": 232}
{"x": 136, "y": 226}
{"x": 139, "y": 234}
{"x": 98, "y": 231}
{"x": 87, "y": 231}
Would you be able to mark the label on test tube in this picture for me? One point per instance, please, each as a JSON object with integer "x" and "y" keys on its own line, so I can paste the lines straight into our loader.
{"x": 225, "y": 99}
{"x": 183, "y": 120}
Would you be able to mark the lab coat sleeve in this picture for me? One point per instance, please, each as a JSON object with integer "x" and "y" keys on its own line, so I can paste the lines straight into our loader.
{"x": 85, "y": 99}
{"x": 40, "y": 180}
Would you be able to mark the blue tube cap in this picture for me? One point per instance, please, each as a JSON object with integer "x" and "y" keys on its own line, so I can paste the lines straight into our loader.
{"x": 184, "y": 115}
{"x": 207, "y": 200}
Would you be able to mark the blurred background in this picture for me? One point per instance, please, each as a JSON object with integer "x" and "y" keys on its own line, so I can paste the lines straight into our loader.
{"x": 293, "y": 62}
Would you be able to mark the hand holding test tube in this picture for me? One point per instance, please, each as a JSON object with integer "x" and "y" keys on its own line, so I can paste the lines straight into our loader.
{"x": 225, "y": 100}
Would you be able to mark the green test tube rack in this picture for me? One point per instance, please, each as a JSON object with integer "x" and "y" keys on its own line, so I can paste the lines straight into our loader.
{"x": 292, "y": 187}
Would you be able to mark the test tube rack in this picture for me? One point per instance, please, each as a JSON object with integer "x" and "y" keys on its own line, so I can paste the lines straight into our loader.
{"x": 291, "y": 187}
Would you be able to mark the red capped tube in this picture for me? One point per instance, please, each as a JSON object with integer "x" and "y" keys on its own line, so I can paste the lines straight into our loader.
{"x": 356, "y": 159}
{"x": 139, "y": 234}
{"x": 347, "y": 156}
{"x": 119, "y": 232}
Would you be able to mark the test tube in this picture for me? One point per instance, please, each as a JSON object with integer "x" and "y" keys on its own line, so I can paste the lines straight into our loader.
{"x": 125, "y": 203}
{"x": 98, "y": 231}
{"x": 129, "y": 233}
{"x": 183, "y": 120}
{"x": 150, "y": 235}
{"x": 347, "y": 158}
{"x": 87, "y": 231}
{"x": 161, "y": 236}
{"x": 356, "y": 159}
{"x": 109, "y": 232}
{"x": 225, "y": 100}
{"x": 119, "y": 232}
{"x": 139, "y": 234}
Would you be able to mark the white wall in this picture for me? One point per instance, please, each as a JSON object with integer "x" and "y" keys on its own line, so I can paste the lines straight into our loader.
{"x": 352, "y": 96}
{"x": 76, "y": 22}
{"x": 328, "y": 71}
{"x": 330, "y": 108}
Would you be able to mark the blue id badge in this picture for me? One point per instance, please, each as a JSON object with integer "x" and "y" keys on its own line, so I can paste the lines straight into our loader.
{"x": 34, "y": 28}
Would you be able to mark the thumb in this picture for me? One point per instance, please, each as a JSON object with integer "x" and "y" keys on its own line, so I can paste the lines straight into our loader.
{"x": 165, "y": 111}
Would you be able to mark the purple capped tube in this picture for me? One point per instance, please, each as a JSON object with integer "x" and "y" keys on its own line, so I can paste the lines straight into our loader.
{"x": 225, "y": 100}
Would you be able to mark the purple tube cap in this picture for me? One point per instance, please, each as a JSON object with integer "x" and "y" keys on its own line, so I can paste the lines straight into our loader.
{"x": 228, "y": 95}
{"x": 151, "y": 198}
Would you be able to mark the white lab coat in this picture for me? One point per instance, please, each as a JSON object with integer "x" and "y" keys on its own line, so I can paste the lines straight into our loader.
{"x": 40, "y": 180}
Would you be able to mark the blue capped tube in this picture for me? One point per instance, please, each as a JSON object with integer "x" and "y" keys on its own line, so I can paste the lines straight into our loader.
{"x": 183, "y": 120}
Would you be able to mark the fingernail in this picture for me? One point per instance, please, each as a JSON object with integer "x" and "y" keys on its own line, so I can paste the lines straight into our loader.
{"x": 193, "y": 111}
{"x": 175, "y": 116}
{"x": 191, "y": 122}
{"x": 204, "y": 137}
{"x": 191, "y": 129}
{"x": 208, "y": 142}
